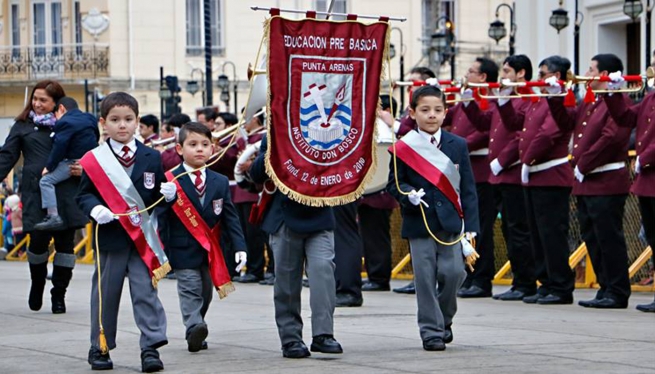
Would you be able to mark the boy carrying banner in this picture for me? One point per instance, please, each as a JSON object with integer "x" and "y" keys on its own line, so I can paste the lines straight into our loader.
{"x": 433, "y": 170}
{"x": 192, "y": 227}
{"x": 120, "y": 177}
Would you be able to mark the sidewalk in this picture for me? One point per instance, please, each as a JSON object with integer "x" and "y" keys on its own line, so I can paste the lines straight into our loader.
{"x": 380, "y": 337}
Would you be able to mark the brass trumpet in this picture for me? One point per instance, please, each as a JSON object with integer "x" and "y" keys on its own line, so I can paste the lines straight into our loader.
{"x": 646, "y": 79}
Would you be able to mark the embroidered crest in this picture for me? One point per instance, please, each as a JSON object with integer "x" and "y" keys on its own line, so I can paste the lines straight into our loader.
{"x": 135, "y": 219}
{"x": 218, "y": 206}
{"x": 149, "y": 180}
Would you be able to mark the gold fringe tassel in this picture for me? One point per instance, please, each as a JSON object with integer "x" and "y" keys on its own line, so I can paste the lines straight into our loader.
{"x": 160, "y": 273}
{"x": 102, "y": 340}
{"x": 225, "y": 289}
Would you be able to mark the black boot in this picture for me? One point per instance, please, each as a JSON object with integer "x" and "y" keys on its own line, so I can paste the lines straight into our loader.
{"x": 38, "y": 272}
{"x": 61, "y": 277}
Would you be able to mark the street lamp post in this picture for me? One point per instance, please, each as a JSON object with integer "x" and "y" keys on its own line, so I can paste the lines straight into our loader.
{"x": 402, "y": 64}
{"x": 559, "y": 19}
{"x": 497, "y": 29}
{"x": 192, "y": 86}
{"x": 632, "y": 9}
{"x": 444, "y": 44}
{"x": 236, "y": 83}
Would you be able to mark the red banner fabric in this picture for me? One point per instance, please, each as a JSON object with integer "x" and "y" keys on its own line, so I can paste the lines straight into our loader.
{"x": 324, "y": 80}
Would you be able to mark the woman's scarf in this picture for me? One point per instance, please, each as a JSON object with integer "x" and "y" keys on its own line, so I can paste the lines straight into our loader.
{"x": 45, "y": 120}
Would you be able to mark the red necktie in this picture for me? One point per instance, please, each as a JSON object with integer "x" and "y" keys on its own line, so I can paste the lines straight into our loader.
{"x": 434, "y": 142}
{"x": 200, "y": 187}
{"x": 125, "y": 158}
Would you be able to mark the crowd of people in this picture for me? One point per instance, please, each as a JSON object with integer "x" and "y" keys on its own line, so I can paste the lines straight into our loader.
{"x": 221, "y": 221}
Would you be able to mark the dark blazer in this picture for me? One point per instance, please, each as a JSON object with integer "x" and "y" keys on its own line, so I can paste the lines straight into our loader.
{"x": 75, "y": 134}
{"x": 183, "y": 250}
{"x": 34, "y": 144}
{"x": 503, "y": 143}
{"x": 641, "y": 116}
{"x": 112, "y": 236}
{"x": 476, "y": 139}
{"x": 298, "y": 217}
{"x": 441, "y": 214}
{"x": 597, "y": 140}
{"x": 541, "y": 140}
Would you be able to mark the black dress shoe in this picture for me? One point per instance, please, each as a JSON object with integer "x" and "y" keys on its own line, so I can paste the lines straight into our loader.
{"x": 648, "y": 308}
{"x": 511, "y": 295}
{"x": 325, "y": 344}
{"x": 373, "y": 286}
{"x": 448, "y": 335}
{"x": 150, "y": 361}
{"x": 434, "y": 344}
{"x": 532, "y": 299}
{"x": 248, "y": 278}
{"x": 348, "y": 300}
{"x": 408, "y": 289}
{"x": 589, "y": 303}
{"x": 99, "y": 361}
{"x": 555, "y": 300}
{"x": 295, "y": 350}
{"x": 196, "y": 336}
{"x": 50, "y": 223}
{"x": 609, "y": 303}
{"x": 473, "y": 292}
{"x": 204, "y": 346}
{"x": 58, "y": 305}
{"x": 267, "y": 281}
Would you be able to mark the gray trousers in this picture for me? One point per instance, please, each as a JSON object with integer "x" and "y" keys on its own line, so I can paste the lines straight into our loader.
{"x": 438, "y": 274}
{"x": 291, "y": 251}
{"x": 148, "y": 311}
{"x": 195, "y": 290}
{"x": 48, "y": 182}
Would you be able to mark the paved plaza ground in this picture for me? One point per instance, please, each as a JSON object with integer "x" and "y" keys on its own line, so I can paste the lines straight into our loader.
{"x": 379, "y": 337}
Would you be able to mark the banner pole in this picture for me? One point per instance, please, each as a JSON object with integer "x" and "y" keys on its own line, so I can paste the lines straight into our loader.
{"x": 297, "y": 11}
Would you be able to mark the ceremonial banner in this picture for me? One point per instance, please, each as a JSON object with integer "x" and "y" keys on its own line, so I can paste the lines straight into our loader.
{"x": 324, "y": 85}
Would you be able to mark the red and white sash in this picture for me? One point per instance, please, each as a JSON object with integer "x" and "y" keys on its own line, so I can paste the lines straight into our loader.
{"x": 206, "y": 237}
{"x": 118, "y": 191}
{"x": 432, "y": 164}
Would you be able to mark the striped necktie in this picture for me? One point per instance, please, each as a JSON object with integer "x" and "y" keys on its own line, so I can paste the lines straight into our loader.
{"x": 125, "y": 158}
{"x": 434, "y": 142}
{"x": 200, "y": 187}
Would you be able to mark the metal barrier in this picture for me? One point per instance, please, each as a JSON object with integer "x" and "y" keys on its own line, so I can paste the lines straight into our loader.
{"x": 83, "y": 249}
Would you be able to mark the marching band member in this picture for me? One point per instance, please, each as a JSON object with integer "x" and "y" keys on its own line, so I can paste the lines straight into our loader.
{"x": 433, "y": 168}
{"x": 601, "y": 184}
{"x": 641, "y": 116}
{"x": 148, "y": 129}
{"x": 503, "y": 160}
{"x": 478, "y": 282}
{"x": 547, "y": 178}
{"x": 170, "y": 158}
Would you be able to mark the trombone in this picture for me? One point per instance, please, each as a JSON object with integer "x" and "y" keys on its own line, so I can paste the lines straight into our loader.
{"x": 646, "y": 79}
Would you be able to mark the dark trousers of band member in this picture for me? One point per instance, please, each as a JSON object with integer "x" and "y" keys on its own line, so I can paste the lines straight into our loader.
{"x": 484, "y": 267}
{"x": 647, "y": 208}
{"x": 347, "y": 251}
{"x": 601, "y": 227}
{"x": 517, "y": 237}
{"x": 374, "y": 227}
{"x": 548, "y": 217}
{"x": 255, "y": 241}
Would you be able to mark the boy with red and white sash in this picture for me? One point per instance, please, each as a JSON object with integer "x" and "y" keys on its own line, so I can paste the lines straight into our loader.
{"x": 434, "y": 183}
{"x": 199, "y": 214}
{"x": 121, "y": 176}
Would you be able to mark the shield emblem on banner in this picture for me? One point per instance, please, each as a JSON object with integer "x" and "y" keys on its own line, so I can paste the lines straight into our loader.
{"x": 218, "y": 206}
{"x": 149, "y": 180}
{"x": 135, "y": 219}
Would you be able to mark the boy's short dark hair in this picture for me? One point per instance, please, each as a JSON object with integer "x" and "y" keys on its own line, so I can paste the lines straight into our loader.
{"x": 426, "y": 91}
{"x": 68, "y": 102}
{"x": 209, "y": 113}
{"x": 424, "y": 72}
{"x": 179, "y": 119}
{"x": 228, "y": 118}
{"x": 385, "y": 104}
{"x": 151, "y": 120}
{"x": 193, "y": 127}
{"x": 115, "y": 99}
{"x": 520, "y": 62}
{"x": 488, "y": 67}
{"x": 608, "y": 62}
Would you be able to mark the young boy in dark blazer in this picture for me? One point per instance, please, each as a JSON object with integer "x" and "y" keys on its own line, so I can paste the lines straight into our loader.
{"x": 121, "y": 176}
{"x": 433, "y": 170}
{"x": 199, "y": 213}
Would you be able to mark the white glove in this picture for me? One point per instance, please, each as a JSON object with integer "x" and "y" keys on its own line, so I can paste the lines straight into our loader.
{"x": 247, "y": 153}
{"x": 433, "y": 82}
{"x": 637, "y": 166}
{"x": 525, "y": 174}
{"x": 241, "y": 258}
{"x": 505, "y": 91}
{"x": 578, "y": 175}
{"x": 470, "y": 235}
{"x": 466, "y": 96}
{"x": 495, "y": 166}
{"x": 415, "y": 197}
{"x": 553, "y": 87}
{"x": 168, "y": 190}
{"x": 616, "y": 79}
{"x": 467, "y": 248}
{"x": 102, "y": 214}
